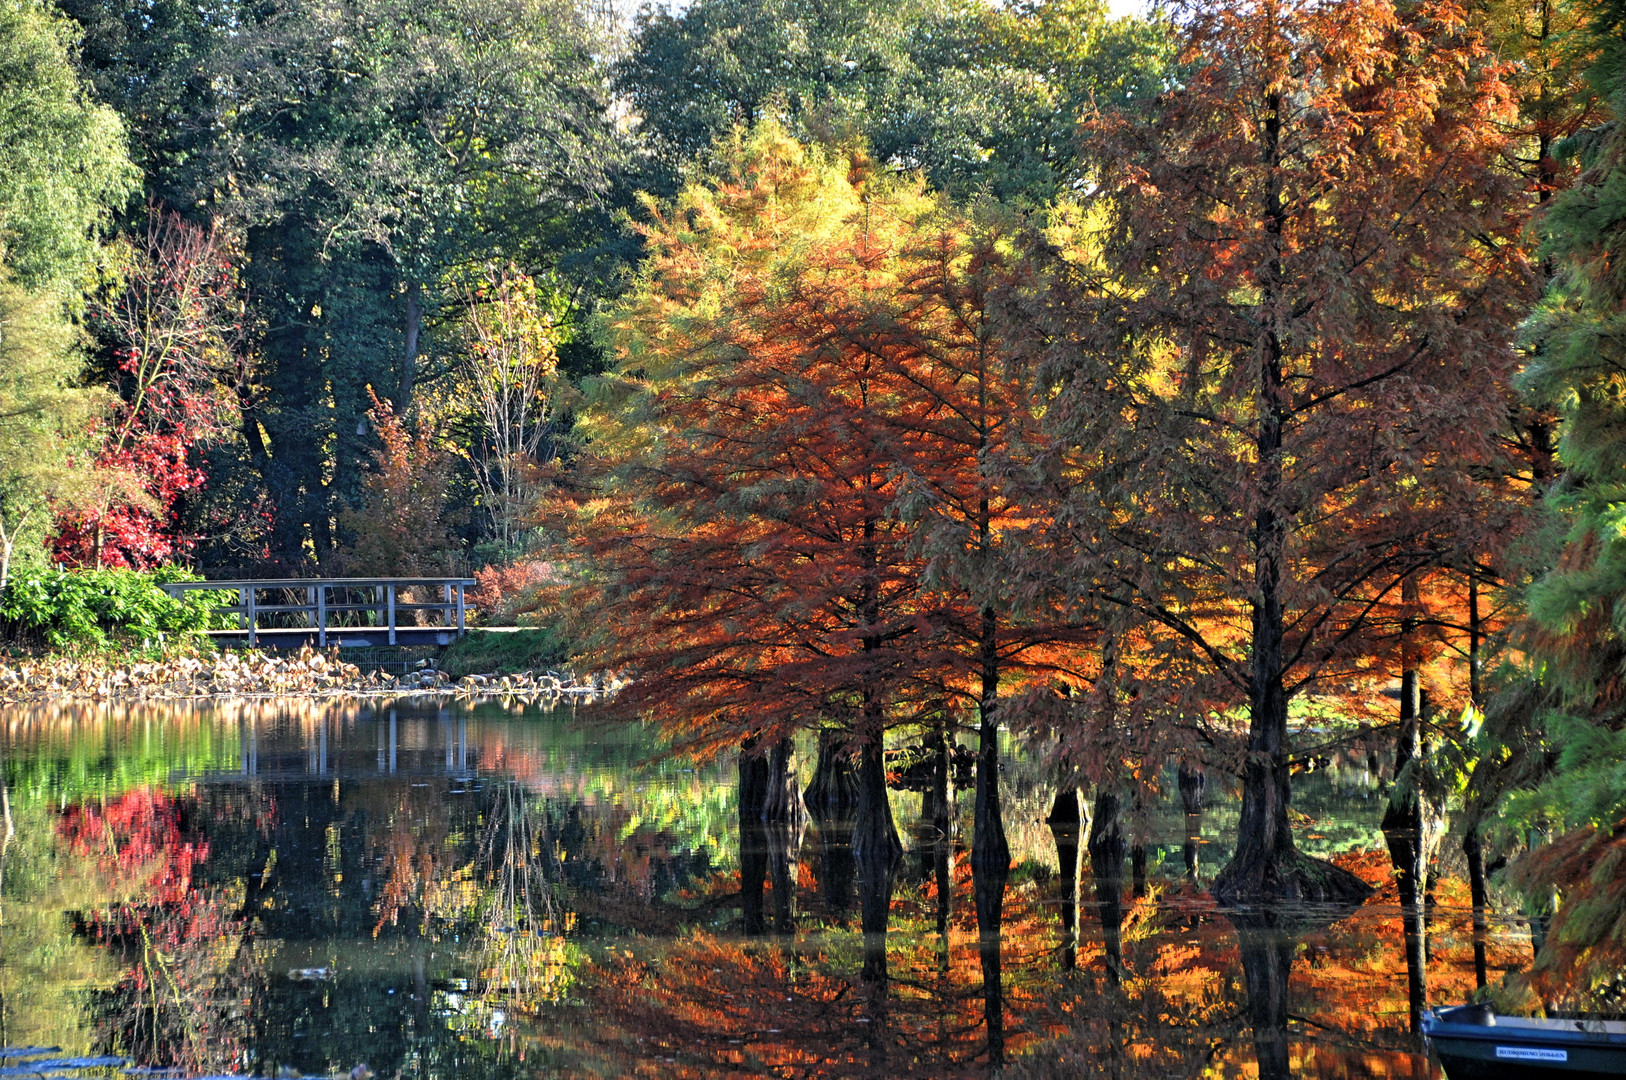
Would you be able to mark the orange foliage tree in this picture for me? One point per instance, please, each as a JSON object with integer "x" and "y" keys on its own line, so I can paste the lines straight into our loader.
{"x": 401, "y": 526}
{"x": 1285, "y": 345}
{"x": 797, "y": 515}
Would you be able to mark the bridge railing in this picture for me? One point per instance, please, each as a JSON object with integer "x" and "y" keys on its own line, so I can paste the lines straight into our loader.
{"x": 325, "y": 598}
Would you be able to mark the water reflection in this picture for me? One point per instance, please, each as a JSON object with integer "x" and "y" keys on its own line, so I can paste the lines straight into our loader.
{"x": 311, "y": 887}
{"x": 1065, "y": 823}
{"x": 1107, "y": 849}
{"x": 486, "y": 891}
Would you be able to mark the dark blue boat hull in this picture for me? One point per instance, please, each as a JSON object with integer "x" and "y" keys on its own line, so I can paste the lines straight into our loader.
{"x": 1472, "y": 1046}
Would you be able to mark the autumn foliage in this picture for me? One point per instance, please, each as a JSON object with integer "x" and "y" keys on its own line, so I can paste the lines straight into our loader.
{"x": 172, "y": 327}
{"x": 801, "y": 498}
{"x": 401, "y": 526}
{"x": 1281, "y": 361}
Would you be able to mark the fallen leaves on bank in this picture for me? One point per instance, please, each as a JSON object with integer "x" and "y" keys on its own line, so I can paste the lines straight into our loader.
{"x": 253, "y": 672}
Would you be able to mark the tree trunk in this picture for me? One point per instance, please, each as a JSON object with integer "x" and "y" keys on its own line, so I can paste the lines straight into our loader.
{"x": 753, "y": 791}
{"x": 1266, "y": 865}
{"x": 990, "y": 853}
{"x": 1475, "y": 637}
{"x": 1403, "y": 824}
{"x": 1107, "y": 849}
{"x": 832, "y": 802}
{"x": 784, "y": 838}
{"x": 1065, "y": 823}
{"x": 409, "y": 354}
{"x": 833, "y": 791}
{"x": 1474, "y": 849}
{"x": 1137, "y": 844}
{"x": 782, "y": 800}
{"x": 1192, "y": 784}
{"x": 876, "y": 851}
{"x": 937, "y": 823}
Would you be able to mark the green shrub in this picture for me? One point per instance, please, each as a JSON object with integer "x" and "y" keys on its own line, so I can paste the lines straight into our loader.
{"x": 97, "y": 608}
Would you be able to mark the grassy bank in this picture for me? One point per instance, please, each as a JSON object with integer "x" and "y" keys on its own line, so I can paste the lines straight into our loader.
{"x": 504, "y": 652}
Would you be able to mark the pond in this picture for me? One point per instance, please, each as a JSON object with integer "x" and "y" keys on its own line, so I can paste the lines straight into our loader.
{"x": 422, "y": 889}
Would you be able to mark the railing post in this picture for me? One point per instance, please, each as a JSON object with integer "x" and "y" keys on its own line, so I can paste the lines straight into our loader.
{"x": 321, "y": 616}
{"x": 252, "y": 616}
{"x": 446, "y": 599}
{"x": 459, "y": 609}
{"x": 389, "y": 604}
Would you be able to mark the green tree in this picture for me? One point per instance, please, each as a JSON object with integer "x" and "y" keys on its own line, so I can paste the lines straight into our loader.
{"x": 63, "y": 170}
{"x": 63, "y": 166}
{"x": 373, "y": 154}
{"x": 471, "y": 130}
{"x": 43, "y": 418}
{"x": 970, "y": 94}
{"x": 1578, "y": 609}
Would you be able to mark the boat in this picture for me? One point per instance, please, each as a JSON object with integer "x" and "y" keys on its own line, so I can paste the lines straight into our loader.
{"x": 1474, "y": 1043}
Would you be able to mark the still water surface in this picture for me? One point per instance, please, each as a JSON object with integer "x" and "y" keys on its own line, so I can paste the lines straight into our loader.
{"x": 493, "y": 890}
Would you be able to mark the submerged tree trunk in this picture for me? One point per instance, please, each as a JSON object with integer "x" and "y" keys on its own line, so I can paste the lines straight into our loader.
{"x": 781, "y": 799}
{"x": 1192, "y": 784}
{"x": 832, "y": 803}
{"x": 937, "y": 825}
{"x": 1107, "y": 849}
{"x": 990, "y": 853}
{"x": 1403, "y": 828}
{"x": 833, "y": 791}
{"x": 1137, "y": 844}
{"x": 753, "y": 793}
{"x": 1065, "y": 823}
{"x": 1473, "y": 848}
{"x": 876, "y": 852}
{"x": 782, "y": 816}
{"x": 784, "y": 838}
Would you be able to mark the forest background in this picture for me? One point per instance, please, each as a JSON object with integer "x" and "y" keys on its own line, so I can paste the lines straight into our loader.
{"x": 1138, "y": 384}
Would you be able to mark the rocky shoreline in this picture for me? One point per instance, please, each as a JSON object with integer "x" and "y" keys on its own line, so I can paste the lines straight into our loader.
{"x": 254, "y": 673}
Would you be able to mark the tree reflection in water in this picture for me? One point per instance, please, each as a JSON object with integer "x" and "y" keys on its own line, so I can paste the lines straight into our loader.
{"x": 496, "y": 895}
{"x": 521, "y": 957}
{"x": 1267, "y": 960}
{"x": 1065, "y": 825}
{"x": 189, "y": 964}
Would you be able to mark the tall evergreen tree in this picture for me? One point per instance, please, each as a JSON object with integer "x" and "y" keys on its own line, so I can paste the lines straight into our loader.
{"x": 1578, "y": 610}
{"x": 63, "y": 166}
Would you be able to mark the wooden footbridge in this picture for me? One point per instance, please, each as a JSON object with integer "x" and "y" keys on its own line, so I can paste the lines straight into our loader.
{"x": 290, "y": 612}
